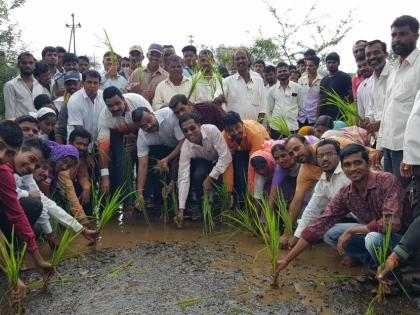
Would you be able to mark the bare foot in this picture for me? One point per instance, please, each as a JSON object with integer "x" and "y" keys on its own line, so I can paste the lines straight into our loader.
{"x": 349, "y": 262}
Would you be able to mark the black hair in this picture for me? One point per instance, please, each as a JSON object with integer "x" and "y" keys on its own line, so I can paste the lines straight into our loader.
{"x": 188, "y": 116}
{"x": 406, "y": 20}
{"x": 93, "y": 74}
{"x": 258, "y": 161}
{"x": 260, "y": 62}
{"x": 295, "y": 71}
{"x": 324, "y": 120}
{"x": 360, "y": 41}
{"x": 315, "y": 59}
{"x": 40, "y": 68}
{"x": 110, "y": 54}
{"x": 111, "y": 91}
{"x": 81, "y": 133}
{"x": 36, "y": 143}
{"x": 269, "y": 69}
{"x": 176, "y": 99}
{"x": 292, "y": 67}
{"x": 125, "y": 58}
{"x": 282, "y": 64}
{"x": 11, "y": 133}
{"x": 333, "y": 56}
{"x": 24, "y": 54}
{"x": 231, "y": 118}
{"x": 277, "y": 147}
{"x": 377, "y": 41}
{"x": 301, "y": 62}
{"x": 69, "y": 57}
{"x": 354, "y": 148}
{"x": 295, "y": 136}
{"x": 46, "y": 50}
{"x": 26, "y": 118}
{"x": 85, "y": 58}
{"x": 137, "y": 114}
{"x": 208, "y": 53}
{"x": 190, "y": 48}
{"x": 330, "y": 142}
{"x": 41, "y": 100}
{"x": 60, "y": 49}
{"x": 309, "y": 52}
{"x": 168, "y": 46}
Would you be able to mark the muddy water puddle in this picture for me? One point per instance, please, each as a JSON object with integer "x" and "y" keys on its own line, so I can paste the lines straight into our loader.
{"x": 141, "y": 269}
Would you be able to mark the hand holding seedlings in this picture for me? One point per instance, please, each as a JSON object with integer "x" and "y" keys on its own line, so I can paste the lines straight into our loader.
{"x": 105, "y": 184}
{"x": 19, "y": 292}
{"x": 90, "y": 235}
{"x": 284, "y": 241}
{"x": 162, "y": 165}
{"x": 381, "y": 275}
{"x": 207, "y": 184}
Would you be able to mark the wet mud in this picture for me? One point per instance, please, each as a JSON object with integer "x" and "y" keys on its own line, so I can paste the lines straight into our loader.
{"x": 157, "y": 269}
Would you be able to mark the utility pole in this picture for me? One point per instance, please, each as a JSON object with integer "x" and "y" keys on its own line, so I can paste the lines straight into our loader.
{"x": 73, "y": 27}
{"x": 191, "y": 37}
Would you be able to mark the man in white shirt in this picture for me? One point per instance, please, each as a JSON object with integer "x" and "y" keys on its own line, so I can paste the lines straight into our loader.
{"x": 283, "y": 102}
{"x": 376, "y": 55}
{"x": 402, "y": 86}
{"x": 331, "y": 181}
{"x": 244, "y": 92}
{"x": 110, "y": 75}
{"x": 20, "y": 92}
{"x": 204, "y": 156}
{"x": 364, "y": 89}
{"x": 117, "y": 135}
{"x": 177, "y": 83}
{"x": 85, "y": 105}
{"x": 158, "y": 143}
{"x": 208, "y": 84}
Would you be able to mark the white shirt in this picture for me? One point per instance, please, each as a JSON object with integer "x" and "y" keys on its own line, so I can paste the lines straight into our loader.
{"x": 25, "y": 184}
{"x": 107, "y": 121}
{"x": 213, "y": 148}
{"x": 364, "y": 92}
{"x": 119, "y": 82}
{"x": 83, "y": 112}
{"x": 18, "y": 98}
{"x": 247, "y": 99}
{"x": 378, "y": 92}
{"x": 166, "y": 89}
{"x": 169, "y": 132}
{"x": 411, "y": 137}
{"x": 208, "y": 88}
{"x": 402, "y": 86}
{"x": 324, "y": 191}
{"x": 285, "y": 103}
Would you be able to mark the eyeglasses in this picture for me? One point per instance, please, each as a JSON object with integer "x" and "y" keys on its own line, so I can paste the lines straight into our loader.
{"x": 326, "y": 154}
{"x": 190, "y": 128}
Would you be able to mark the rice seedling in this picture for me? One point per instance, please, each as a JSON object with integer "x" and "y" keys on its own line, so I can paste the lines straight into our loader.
{"x": 207, "y": 215}
{"x": 285, "y": 214}
{"x": 165, "y": 203}
{"x": 223, "y": 196}
{"x": 280, "y": 124}
{"x": 370, "y": 310}
{"x": 183, "y": 304}
{"x": 140, "y": 73}
{"x": 66, "y": 239}
{"x": 143, "y": 211}
{"x": 108, "y": 44}
{"x": 174, "y": 199}
{"x": 111, "y": 207}
{"x": 120, "y": 268}
{"x": 11, "y": 262}
{"x": 348, "y": 111}
{"x": 195, "y": 81}
{"x": 381, "y": 253}
{"x": 218, "y": 76}
{"x": 270, "y": 233}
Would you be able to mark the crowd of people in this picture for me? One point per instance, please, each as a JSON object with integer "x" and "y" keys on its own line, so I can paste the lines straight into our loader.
{"x": 69, "y": 127}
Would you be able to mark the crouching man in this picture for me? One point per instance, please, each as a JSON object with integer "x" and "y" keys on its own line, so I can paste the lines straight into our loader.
{"x": 204, "y": 157}
{"x": 371, "y": 197}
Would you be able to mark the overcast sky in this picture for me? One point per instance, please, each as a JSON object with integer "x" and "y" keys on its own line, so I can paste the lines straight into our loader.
{"x": 211, "y": 22}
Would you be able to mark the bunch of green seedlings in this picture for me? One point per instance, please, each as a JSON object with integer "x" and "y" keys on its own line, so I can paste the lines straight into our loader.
{"x": 10, "y": 263}
{"x": 348, "y": 111}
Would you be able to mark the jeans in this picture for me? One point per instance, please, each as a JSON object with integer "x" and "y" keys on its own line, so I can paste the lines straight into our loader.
{"x": 199, "y": 170}
{"x": 360, "y": 247}
{"x": 240, "y": 160}
{"x": 392, "y": 161}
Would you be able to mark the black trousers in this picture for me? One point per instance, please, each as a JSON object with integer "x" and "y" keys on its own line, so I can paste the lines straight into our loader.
{"x": 31, "y": 206}
{"x": 199, "y": 170}
{"x": 240, "y": 160}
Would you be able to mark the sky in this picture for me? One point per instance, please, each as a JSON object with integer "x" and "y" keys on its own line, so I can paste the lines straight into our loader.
{"x": 211, "y": 22}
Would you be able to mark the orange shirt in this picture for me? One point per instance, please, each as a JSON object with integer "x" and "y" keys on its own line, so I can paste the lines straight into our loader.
{"x": 253, "y": 138}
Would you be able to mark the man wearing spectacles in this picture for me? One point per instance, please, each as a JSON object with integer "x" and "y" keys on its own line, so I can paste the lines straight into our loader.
{"x": 205, "y": 156}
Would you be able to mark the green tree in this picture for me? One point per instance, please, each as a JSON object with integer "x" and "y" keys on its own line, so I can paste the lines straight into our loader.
{"x": 293, "y": 32}
{"x": 9, "y": 41}
{"x": 224, "y": 55}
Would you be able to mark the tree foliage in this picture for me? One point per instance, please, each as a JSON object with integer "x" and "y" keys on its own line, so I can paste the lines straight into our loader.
{"x": 9, "y": 41}
{"x": 293, "y": 38}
